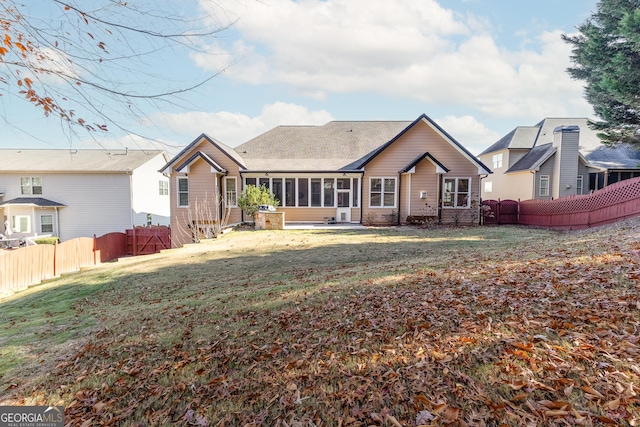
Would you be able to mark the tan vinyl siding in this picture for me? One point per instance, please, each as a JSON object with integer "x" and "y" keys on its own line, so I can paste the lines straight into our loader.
{"x": 425, "y": 180}
{"x": 511, "y": 186}
{"x": 203, "y": 185}
{"x": 419, "y": 139}
{"x": 308, "y": 214}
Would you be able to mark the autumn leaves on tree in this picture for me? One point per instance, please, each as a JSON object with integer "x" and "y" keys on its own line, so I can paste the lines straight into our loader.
{"x": 89, "y": 65}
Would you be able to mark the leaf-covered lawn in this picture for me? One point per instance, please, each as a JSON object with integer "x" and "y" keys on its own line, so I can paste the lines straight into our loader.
{"x": 479, "y": 326}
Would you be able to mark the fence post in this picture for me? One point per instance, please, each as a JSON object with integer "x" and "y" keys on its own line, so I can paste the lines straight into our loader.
{"x": 134, "y": 242}
{"x": 55, "y": 258}
{"x": 94, "y": 249}
{"x": 498, "y": 210}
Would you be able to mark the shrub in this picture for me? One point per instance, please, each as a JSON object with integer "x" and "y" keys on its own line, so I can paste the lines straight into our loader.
{"x": 252, "y": 197}
{"x": 47, "y": 241}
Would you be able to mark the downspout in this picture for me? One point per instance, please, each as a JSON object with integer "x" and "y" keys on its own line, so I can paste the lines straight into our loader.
{"x": 480, "y": 216}
{"x": 439, "y": 198}
{"x": 399, "y": 195}
{"x": 241, "y": 190}
{"x": 222, "y": 198}
{"x": 57, "y": 222}
{"x": 131, "y": 196}
{"x": 361, "y": 193}
{"x": 409, "y": 190}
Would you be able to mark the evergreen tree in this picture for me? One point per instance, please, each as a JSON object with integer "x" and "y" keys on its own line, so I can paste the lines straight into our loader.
{"x": 606, "y": 55}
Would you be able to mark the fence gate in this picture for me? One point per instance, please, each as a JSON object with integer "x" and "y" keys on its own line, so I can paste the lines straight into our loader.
{"x": 500, "y": 211}
{"x": 148, "y": 240}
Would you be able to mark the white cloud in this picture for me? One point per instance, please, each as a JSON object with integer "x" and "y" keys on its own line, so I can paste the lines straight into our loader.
{"x": 469, "y": 132}
{"x": 233, "y": 129}
{"x": 417, "y": 50}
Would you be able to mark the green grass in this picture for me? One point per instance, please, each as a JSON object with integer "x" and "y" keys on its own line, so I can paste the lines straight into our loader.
{"x": 329, "y": 328}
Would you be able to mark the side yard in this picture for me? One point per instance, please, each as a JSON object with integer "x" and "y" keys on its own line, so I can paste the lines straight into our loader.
{"x": 472, "y": 326}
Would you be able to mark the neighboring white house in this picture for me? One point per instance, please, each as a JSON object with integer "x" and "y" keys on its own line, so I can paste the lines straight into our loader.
{"x": 81, "y": 193}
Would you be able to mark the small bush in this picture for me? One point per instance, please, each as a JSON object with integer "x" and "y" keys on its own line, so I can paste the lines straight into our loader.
{"x": 47, "y": 241}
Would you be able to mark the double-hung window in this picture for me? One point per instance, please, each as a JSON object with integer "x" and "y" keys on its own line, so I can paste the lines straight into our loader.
{"x": 46, "y": 223}
{"x": 21, "y": 224}
{"x": 183, "y": 192}
{"x": 163, "y": 188}
{"x": 31, "y": 185}
{"x": 232, "y": 192}
{"x": 579, "y": 185}
{"x": 457, "y": 193}
{"x": 497, "y": 161}
{"x": 544, "y": 185}
{"x": 382, "y": 192}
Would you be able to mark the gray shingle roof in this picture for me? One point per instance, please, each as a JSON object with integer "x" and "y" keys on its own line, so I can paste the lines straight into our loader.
{"x": 230, "y": 152}
{"x": 36, "y": 201}
{"x": 621, "y": 157}
{"x": 35, "y": 160}
{"x": 534, "y": 158}
{"x": 206, "y": 158}
{"x": 337, "y": 145}
{"x": 541, "y": 133}
{"x": 589, "y": 140}
{"x": 538, "y": 137}
{"x": 421, "y": 158}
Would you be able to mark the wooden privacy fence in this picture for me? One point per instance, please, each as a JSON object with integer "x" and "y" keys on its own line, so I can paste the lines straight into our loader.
{"x": 500, "y": 211}
{"x": 612, "y": 203}
{"x": 23, "y": 267}
{"x": 148, "y": 240}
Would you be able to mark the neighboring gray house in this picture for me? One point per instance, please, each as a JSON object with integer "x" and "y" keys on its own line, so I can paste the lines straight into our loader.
{"x": 79, "y": 193}
{"x": 556, "y": 157}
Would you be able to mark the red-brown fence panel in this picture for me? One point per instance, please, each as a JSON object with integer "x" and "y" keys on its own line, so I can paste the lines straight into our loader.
{"x": 610, "y": 204}
{"x": 490, "y": 212}
{"x": 110, "y": 246}
{"x": 500, "y": 211}
{"x": 148, "y": 240}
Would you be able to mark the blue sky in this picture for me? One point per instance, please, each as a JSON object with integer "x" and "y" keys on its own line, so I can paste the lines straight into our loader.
{"x": 477, "y": 67}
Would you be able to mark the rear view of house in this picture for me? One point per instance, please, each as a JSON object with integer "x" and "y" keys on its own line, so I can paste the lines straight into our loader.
{"x": 351, "y": 171}
{"x": 79, "y": 193}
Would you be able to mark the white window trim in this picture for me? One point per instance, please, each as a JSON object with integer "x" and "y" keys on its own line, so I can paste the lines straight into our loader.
{"x": 580, "y": 184}
{"x": 355, "y": 192}
{"x": 382, "y": 192}
{"x": 51, "y": 224}
{"x": 323, "y": 180}
{"x": 545, "y": 178}
{"x": 497, "y": 160}
{"x": 455, "y": 193}
{"x": 180, "y": 192}
{"x": 163, "y": 187}
{"x": 235, "y": 190}
{"x": 30, "y": 188}
{"x": 16, "y": 224}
